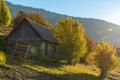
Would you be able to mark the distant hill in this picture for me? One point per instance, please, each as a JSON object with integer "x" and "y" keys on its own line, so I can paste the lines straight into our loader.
{"x": 96, "y": 28}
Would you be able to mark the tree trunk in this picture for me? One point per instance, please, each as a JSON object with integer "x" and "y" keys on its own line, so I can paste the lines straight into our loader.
{"x": 70, "y": 62}
{"x": 103, "y": 75}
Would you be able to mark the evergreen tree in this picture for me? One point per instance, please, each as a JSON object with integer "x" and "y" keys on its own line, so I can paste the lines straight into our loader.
{"x": 5, "y": 15}
{"x": 71, "y": 36}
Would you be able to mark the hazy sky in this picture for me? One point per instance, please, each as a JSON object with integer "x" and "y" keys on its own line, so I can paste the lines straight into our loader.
{"x": 102, "y": 9}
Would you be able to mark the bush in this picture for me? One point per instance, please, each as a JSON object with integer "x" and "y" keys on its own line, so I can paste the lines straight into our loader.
{"x": 89, "y": 59}
{"x": 105, "y": 58}
{"x": 2, "y": 57}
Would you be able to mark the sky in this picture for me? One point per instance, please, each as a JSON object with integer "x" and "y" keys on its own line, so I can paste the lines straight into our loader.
{"x": 108, "y": 10}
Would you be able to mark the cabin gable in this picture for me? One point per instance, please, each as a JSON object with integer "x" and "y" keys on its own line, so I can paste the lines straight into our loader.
{"x": 23, "y": 32}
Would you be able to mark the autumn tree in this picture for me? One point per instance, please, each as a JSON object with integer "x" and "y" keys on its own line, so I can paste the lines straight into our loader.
{"x": 5, "y": 15}
{"x": 105, "y": 58}
{"x": 71, "y": 37}
{"x": 35, "y": 16}
{"x": 91, "y": 44}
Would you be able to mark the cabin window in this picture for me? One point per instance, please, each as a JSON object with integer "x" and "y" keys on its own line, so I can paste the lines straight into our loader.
{"x": 54, "y": 49}
{"x": 46, "y": 48}
{"x": 12, "y": 47}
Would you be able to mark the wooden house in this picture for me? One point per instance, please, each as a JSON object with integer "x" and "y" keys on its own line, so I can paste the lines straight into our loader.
{"x": 31, "y": 38}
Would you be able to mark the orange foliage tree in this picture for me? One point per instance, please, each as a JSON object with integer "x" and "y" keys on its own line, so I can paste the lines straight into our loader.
{"x": 35, "y": 16}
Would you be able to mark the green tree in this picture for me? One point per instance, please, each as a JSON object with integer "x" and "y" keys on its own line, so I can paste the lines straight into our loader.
{"x": 105, "y": 58}
{"x": 71, "y": 36}
{"x": 5, "y": 15}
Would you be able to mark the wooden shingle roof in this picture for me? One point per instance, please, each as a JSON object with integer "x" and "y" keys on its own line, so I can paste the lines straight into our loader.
{"x": 44, "y": 32}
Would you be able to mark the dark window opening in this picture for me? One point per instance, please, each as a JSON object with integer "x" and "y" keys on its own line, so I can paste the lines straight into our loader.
{"x": 46, "y": 48}
{"x": 54, "y": 49}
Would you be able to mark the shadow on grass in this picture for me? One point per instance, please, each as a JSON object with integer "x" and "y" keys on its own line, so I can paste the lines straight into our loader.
{"x": 81, "y": 76}
{"x": 20, "y": 73}
{"x": 50, "y": 63}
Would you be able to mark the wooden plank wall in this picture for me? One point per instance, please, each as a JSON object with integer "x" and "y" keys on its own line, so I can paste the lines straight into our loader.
{"x": 21, "y": 48}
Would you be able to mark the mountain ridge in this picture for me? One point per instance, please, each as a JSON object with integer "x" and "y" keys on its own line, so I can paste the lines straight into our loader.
{"x": 96, "y": 28}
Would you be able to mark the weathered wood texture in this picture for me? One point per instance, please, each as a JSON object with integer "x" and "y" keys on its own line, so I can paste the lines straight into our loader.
{"x": 23, "y": 32}
{"x": 21, "y": 48}
{"x": 24, "y": 37}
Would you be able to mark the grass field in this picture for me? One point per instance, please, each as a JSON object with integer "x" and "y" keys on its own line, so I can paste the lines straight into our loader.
{"x": 49, "y": 70}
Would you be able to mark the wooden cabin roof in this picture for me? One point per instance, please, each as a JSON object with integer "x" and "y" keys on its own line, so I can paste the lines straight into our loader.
{"x": 45, "y": 33}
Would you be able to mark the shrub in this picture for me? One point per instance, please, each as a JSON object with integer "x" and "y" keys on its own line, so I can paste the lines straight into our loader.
{"x": 89, "y": 59}
{"x": 2, "y": 57}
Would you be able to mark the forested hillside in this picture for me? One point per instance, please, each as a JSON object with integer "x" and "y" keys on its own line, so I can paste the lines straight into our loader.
{"x": 96, "y": 28}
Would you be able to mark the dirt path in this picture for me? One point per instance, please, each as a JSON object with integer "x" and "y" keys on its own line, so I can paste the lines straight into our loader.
{"x": 115, "y": 75}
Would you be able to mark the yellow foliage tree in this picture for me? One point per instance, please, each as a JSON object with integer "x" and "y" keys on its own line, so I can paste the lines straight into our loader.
{"x": 5, "y": 15}
{"x": 71, "y": 36}
{"x": 105, "y": 58}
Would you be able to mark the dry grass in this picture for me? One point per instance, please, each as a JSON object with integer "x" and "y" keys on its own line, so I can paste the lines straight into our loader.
{"x": 79, "y": 68}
